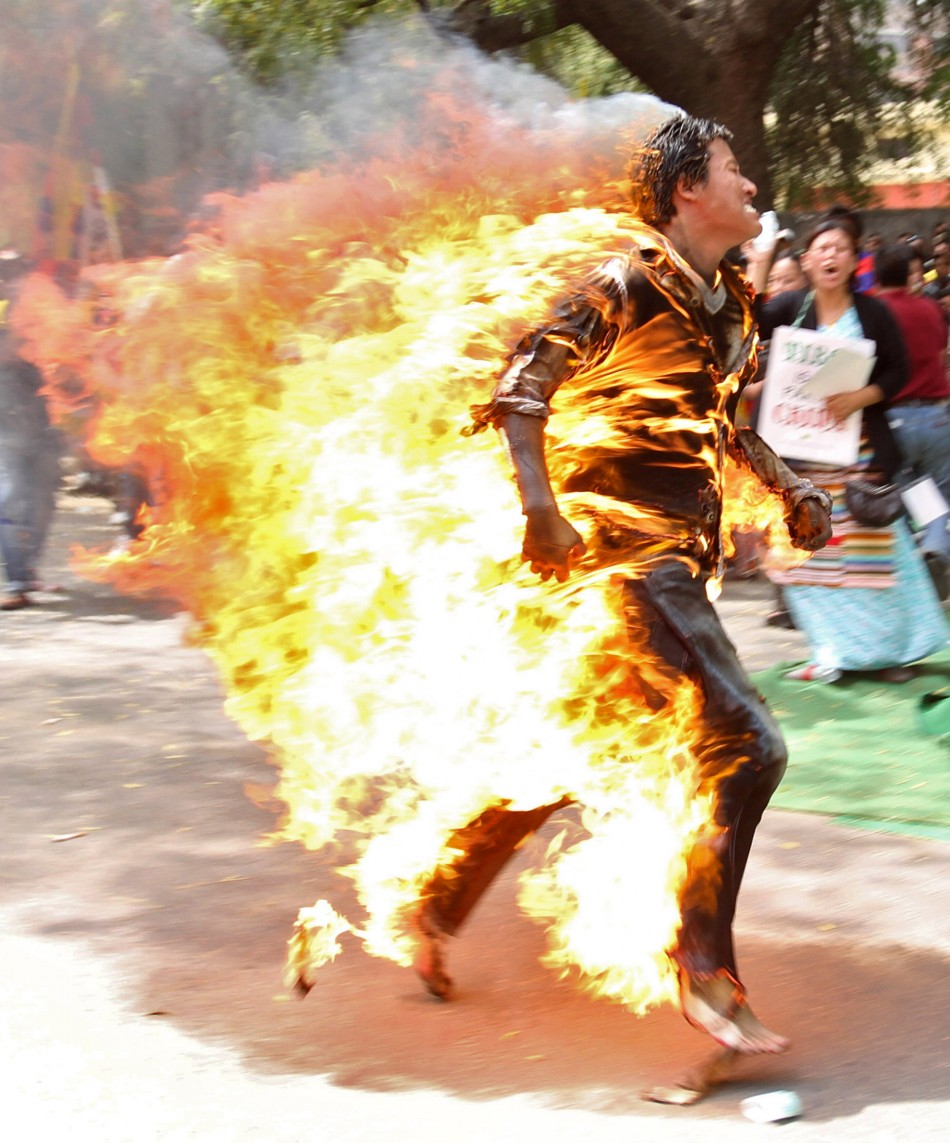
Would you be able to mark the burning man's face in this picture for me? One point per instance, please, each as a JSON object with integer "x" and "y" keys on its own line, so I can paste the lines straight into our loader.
{"x": 726, "y": 198}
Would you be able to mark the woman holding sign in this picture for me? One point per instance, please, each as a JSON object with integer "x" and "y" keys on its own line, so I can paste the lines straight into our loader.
{"x": 866, "y": 601}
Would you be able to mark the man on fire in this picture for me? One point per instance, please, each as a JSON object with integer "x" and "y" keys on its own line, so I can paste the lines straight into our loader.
{"x": 657, "y": 344}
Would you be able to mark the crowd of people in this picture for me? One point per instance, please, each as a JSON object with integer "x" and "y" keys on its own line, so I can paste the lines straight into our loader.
{"x": 871, "y": 599}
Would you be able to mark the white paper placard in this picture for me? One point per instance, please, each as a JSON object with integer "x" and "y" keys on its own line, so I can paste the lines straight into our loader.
{"x": 805, "y": 367}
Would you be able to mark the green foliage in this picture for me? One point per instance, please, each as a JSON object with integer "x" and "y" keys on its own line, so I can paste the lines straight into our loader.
{"x": 832, "y": 93}
{"x": 579, "y": 64}
{"x": 273, "y": 40}
{"x": 536, "y": 16}
{"x": 930, "y": 20}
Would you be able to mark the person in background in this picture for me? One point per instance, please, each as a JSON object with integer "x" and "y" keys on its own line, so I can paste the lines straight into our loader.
{"x": 786, "y": 274}
{"x": 915, "y": 272}
{"x": 864, "y": 274}
{"x": 858, "y": 613}
{"x": 862, "y": 279}
{"x": 943, "y": 299}
{"x": 919, "y": 415}
{"x": 937, "y": 277}
{"x": 29, "y": 453}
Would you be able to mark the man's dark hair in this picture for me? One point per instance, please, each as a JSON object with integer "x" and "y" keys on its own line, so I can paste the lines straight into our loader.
{"x": 892, "y": 266}
{"x": 679, "y": 149}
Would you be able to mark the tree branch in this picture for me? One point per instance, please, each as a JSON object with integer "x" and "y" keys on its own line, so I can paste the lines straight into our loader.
{"x": 495, "y": 33}
{"x": 653, "y": 39}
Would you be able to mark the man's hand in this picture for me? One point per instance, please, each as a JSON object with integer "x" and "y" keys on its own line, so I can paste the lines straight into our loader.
{"x": 808, "y": 519}
{"x": 551, "y": 544}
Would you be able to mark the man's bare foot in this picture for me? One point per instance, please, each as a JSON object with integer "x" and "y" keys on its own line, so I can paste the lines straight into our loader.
{"x": 718, "y": 1006}
{"x": 431, "y": 956}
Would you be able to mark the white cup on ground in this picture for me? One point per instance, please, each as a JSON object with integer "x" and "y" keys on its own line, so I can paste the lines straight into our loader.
{"x": 772, "y": 1107}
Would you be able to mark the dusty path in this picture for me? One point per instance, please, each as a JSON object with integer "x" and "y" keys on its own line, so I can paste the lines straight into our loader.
{"x": 146, "y": 928}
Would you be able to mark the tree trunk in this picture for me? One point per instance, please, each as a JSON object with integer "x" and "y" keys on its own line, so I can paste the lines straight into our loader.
{"x": 711, "y": 58}
{"x": 739, "y": 101}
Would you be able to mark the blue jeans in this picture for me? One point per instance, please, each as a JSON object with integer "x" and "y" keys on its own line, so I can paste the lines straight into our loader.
{"x": 29, "y": 477}
{"x": 922, "y": 433}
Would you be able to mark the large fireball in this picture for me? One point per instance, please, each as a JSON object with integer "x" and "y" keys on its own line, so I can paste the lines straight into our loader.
{"x": 295, "y": 383}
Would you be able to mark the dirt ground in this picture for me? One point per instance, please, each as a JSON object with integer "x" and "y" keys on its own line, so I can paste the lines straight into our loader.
{"x": 147, "y": 921}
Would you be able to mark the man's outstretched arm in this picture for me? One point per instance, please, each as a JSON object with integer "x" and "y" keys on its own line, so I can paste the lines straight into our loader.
{"x": 551, "y": 544}
{"x": 585, "y": 327}
{"x": 807, "y": 508}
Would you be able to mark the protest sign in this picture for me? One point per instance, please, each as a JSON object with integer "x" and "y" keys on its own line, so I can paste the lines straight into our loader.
{"x": 805, "y": 367}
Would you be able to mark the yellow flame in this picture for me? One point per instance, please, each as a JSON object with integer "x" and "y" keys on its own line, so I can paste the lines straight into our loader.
{"x": 295, "y": 384}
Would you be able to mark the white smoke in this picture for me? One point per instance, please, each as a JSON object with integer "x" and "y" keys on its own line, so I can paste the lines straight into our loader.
{"x": 182, "y": 116}
{"x": 388, "y": 68}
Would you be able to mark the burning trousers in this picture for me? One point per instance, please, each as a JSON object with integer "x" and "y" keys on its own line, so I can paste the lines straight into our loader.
{"x": 740, "y": 753}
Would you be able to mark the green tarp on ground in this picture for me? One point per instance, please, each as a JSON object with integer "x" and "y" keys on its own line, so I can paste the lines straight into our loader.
{"x": 870, "y": 753}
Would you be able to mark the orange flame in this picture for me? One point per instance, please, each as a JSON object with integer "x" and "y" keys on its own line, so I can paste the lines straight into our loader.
{"x": 296, "y": 384}
{"x": 748, "y": 506}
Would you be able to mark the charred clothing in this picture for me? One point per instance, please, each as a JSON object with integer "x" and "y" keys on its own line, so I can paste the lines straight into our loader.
{"x": 659, "y": 357}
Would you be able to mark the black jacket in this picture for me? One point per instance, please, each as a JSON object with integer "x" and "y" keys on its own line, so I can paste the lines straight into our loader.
{"x": 891, "y": 370}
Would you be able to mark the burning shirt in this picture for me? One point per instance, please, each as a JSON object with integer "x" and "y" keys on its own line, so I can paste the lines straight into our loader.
{"x": 656, "y": 359}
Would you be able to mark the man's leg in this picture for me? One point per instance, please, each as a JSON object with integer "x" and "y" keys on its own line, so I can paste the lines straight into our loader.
{"x": 483, "y": 848}
{"x": 742, "y": 758}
